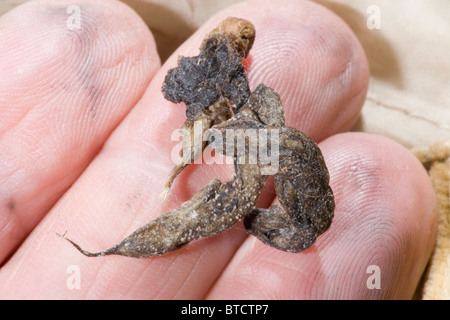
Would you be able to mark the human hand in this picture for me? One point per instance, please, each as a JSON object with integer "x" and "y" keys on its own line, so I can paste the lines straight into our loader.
{"x": 75, "y": 132}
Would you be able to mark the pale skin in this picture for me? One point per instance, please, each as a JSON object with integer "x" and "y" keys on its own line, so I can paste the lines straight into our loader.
{"x": 85, "y": 139}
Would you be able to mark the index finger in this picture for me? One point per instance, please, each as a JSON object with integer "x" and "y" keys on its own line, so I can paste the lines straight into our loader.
{"x": 70, "y": 74}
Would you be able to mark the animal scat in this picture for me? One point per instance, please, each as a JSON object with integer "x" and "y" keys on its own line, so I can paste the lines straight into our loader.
{"x": 301, "y": 183}
{"x": 216, "y": 73}
{"x": 209, "y": 82}
{"x": 307, "y": 201}
{"x": 215, "y": 114}
{"x": 239, "y": 32}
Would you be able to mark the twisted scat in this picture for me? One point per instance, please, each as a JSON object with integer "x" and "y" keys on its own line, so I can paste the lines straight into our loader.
{"x": 301, "y": 179}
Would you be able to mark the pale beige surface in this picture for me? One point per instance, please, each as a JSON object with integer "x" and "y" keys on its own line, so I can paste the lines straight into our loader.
{"x": 409, "y": 94}
{"x": 436, "y": 281}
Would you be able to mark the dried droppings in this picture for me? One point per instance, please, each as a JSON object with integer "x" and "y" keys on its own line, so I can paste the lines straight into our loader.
{"x": 208, "y": 84}
{"x": 216, "y": 73}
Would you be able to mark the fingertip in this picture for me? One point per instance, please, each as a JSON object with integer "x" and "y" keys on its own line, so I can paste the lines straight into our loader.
{"x": 71, "y": 71}
{"x": 313, "y": 59}
{"x": 379, "y": 241}
{"x": 372, "y": 160}
{"x": 307, "y": 54}
{"x": 386, "y": 212}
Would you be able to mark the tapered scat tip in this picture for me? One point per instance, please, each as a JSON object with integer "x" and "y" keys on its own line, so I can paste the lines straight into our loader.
{"x": 86, "y": 253}
{"x": 164, "y": 193}
{"x": 182, "y": 163}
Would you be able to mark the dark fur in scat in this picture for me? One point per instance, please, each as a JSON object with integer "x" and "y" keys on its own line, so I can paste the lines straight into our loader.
{"x": 301, "y": 182}
{"x": 307, "y": 202}
{"x": 201, "y": 81}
